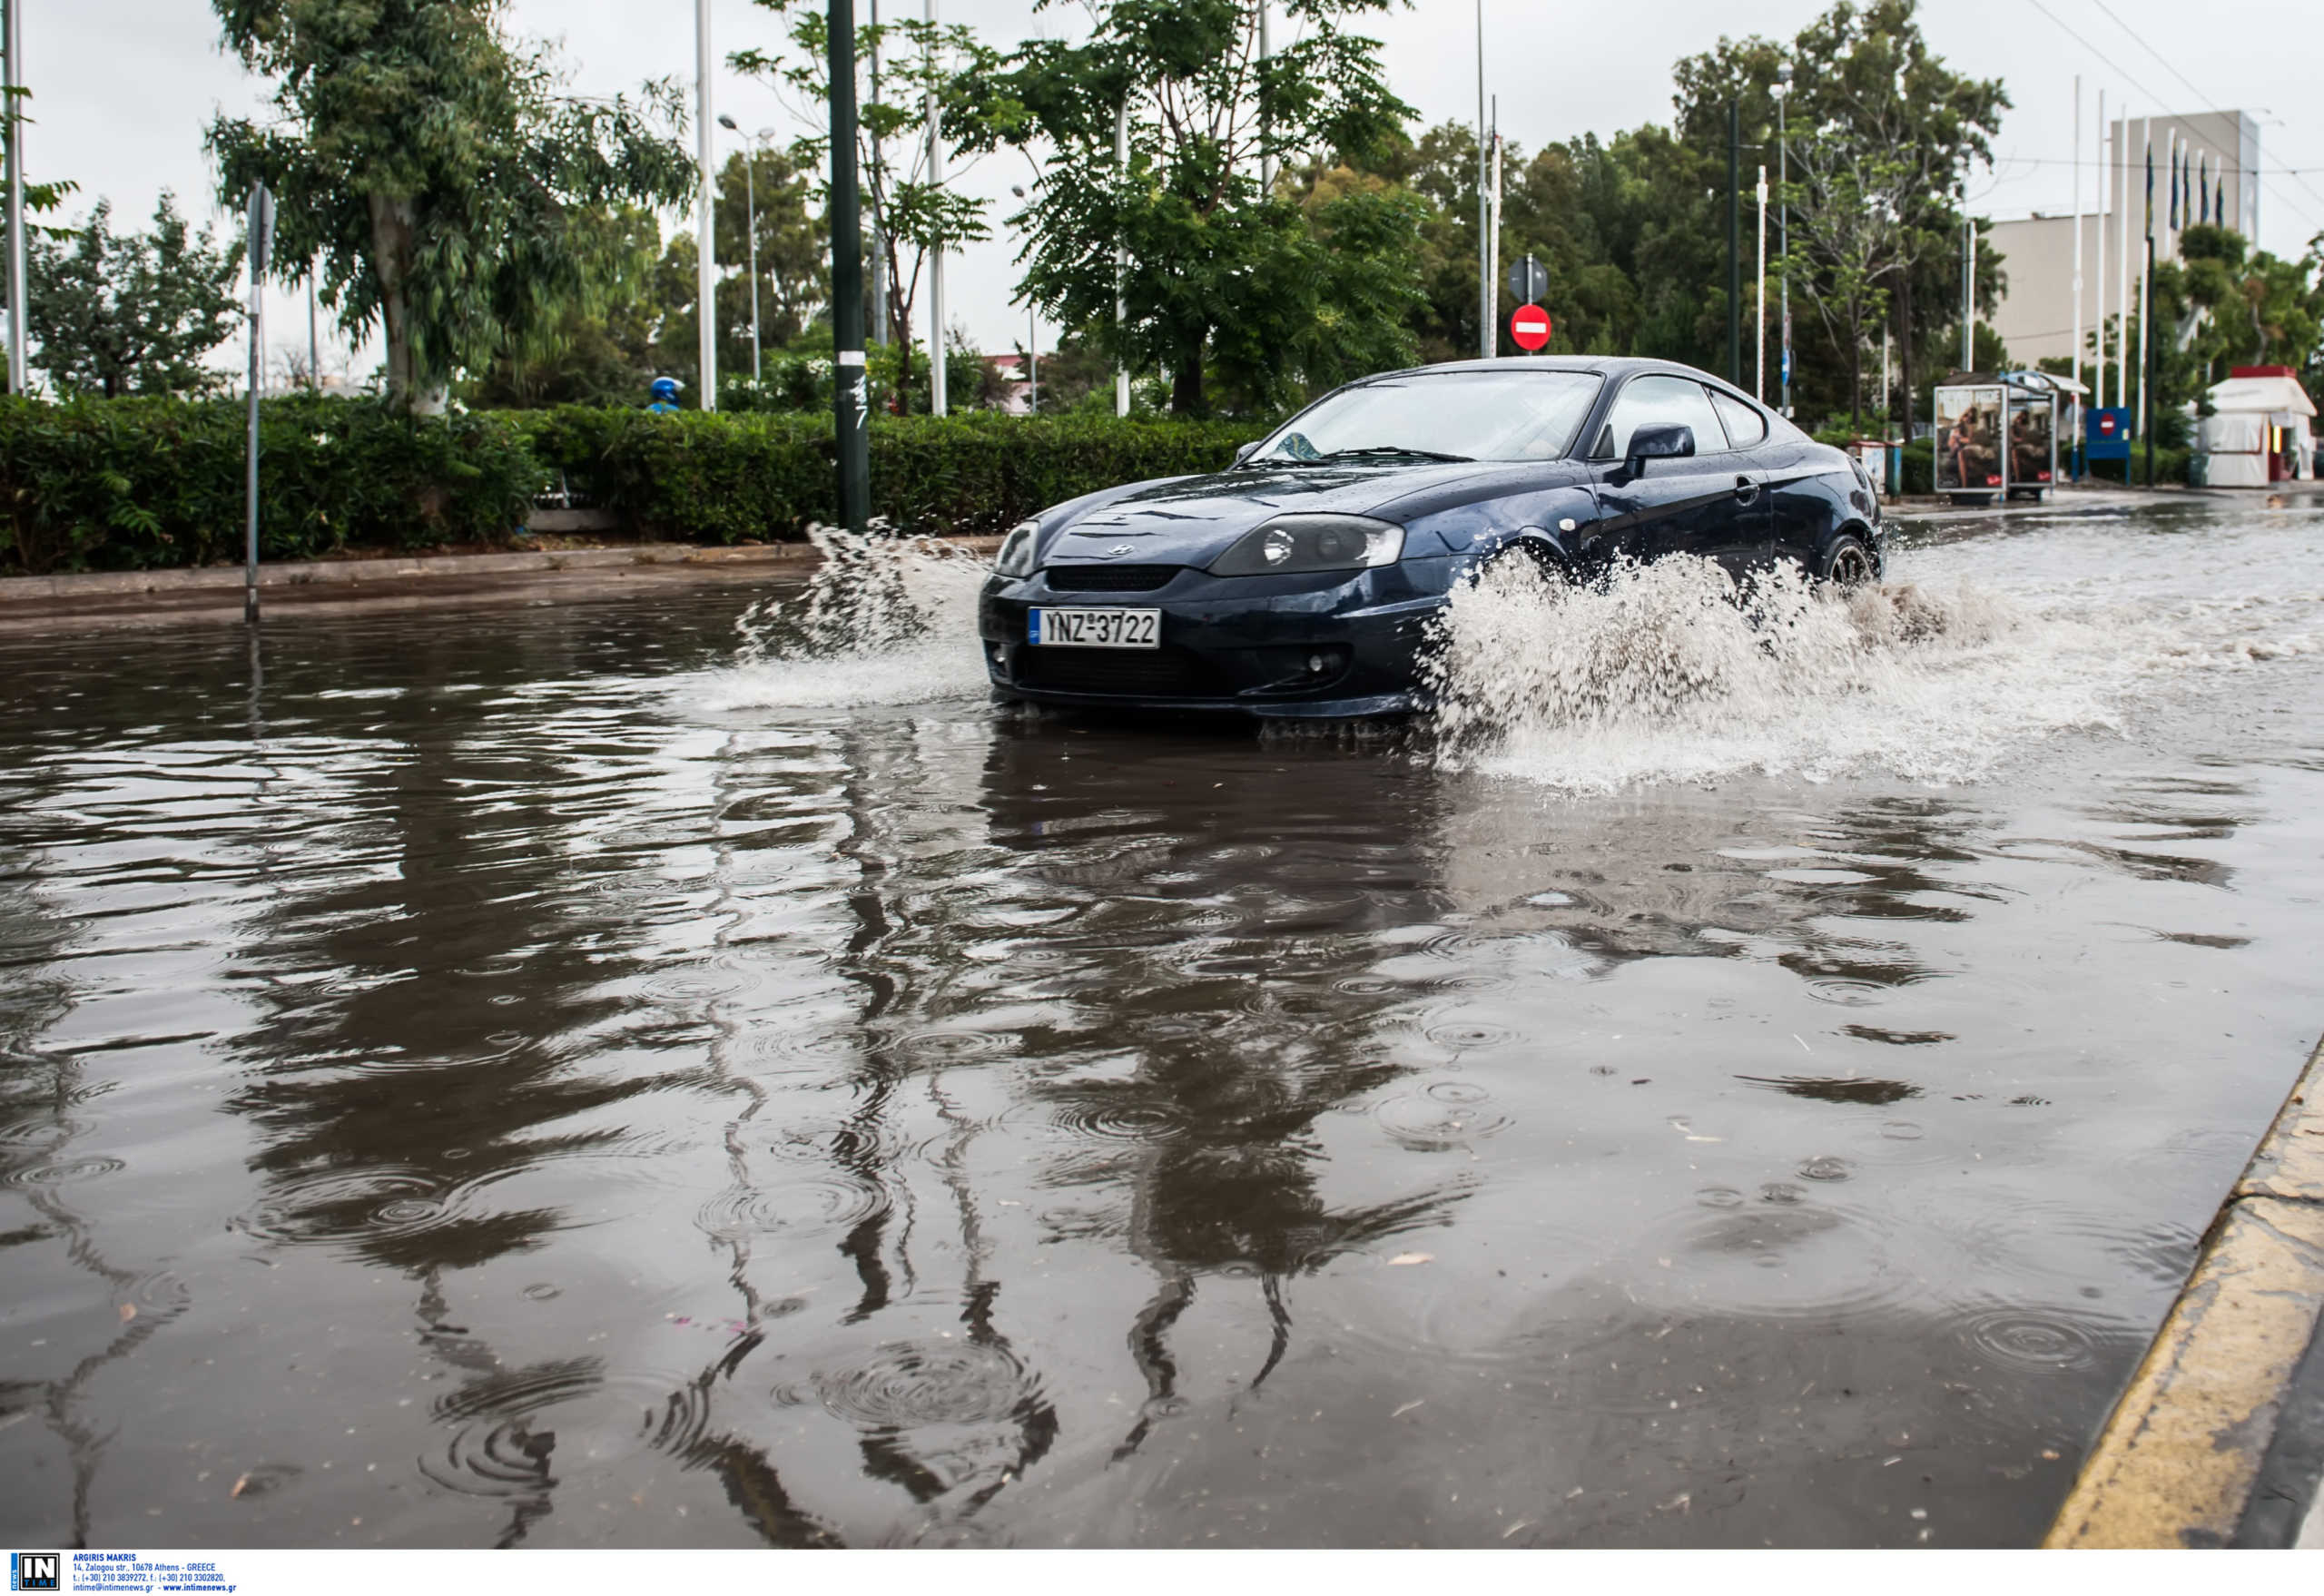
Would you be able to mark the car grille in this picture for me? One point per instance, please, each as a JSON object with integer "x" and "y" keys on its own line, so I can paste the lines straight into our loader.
{"x": 1107, "y": 578}
{"x": 1154, "y": 673}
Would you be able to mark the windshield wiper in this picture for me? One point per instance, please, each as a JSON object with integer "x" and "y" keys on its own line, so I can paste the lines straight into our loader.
{"x": 1395, "y": 451}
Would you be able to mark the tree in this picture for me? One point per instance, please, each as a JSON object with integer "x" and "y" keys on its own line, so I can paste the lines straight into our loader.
{"x": 1222, "y": 280}
{"x": 136, "y": 313}
{"x": 1891, "y": 125}
{"x": 601, "y": 352}
{"x": 432, "y": 169}
{"x": 918, "y": 61}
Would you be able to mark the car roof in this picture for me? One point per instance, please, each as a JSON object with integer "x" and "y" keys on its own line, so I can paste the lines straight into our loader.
{"x": 1614, "y": 366}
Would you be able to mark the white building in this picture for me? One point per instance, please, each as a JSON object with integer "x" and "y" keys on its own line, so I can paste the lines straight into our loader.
{"x": 2035, "y": 319}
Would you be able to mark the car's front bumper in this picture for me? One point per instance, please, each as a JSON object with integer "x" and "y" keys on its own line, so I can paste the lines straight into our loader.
{"x": 1325, "y": 646}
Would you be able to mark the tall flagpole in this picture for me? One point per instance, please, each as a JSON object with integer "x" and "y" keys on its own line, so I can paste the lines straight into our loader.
{"x": 2077, "y": 240}
{"x": 705, "y": 247}
{"x": 2146, "y": 214}
{"x": 2123, "y": 271}
{"x": 1493, "y": 255}
{"x": 1267, "y": 156}
{"x": 2098, "y": 383}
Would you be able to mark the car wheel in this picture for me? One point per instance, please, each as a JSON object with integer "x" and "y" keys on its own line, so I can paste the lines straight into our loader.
{"x": 1848, "y": 562}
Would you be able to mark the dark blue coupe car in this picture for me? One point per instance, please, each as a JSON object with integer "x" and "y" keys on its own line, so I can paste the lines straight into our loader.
{"x": 1300, "y": 581}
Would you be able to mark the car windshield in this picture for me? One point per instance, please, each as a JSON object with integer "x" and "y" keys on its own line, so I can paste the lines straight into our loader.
{"x": 1448, "y": 415}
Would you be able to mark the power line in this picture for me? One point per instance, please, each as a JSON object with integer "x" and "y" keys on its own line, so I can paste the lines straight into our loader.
{"x": 2208, "y": 103}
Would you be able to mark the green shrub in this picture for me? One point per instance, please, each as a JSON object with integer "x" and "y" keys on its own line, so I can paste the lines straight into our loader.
{"x": 722, "y": 478}
{"x": 1918, "y": 464}
{"x": 131, "y": 484}
{"x": 2169, "y": 466}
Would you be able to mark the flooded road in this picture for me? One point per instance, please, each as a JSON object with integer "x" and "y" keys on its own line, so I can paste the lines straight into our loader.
{"x": 525, "y": 1079}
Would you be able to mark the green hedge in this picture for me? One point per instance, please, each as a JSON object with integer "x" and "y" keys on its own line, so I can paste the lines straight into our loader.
{"x": 132, "y": 484}
{"x": 722, "y": 478}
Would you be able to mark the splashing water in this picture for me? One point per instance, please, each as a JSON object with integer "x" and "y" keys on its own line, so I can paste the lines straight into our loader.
{"x": 883, "y": 620}
{"x": 1673, "y": 672}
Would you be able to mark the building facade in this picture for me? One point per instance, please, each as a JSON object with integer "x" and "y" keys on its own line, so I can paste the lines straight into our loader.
{"x": 2221, "y": 155}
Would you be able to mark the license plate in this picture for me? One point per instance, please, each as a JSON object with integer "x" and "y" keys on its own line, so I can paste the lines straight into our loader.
{"x": 1094, "y": 628}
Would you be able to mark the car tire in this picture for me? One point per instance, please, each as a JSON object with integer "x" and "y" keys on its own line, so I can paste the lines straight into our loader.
{"x": 1847, "y": 563}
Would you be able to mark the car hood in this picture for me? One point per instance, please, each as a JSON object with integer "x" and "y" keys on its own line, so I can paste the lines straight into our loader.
{"x": 1192, "y": 520}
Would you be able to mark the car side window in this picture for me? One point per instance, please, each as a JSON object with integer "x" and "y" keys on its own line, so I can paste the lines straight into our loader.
{"x": 1746, "y": 427}
{"x": 1660, "y": 400}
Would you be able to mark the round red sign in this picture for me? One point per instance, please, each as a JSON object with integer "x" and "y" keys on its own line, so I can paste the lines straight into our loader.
{"x": 1530, "y": 327}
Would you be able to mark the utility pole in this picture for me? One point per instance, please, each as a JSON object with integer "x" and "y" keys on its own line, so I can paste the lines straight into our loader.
{"x": 879, "y": 234}
{"x": 705, "y": 247}
{"x": 1968, "y": 295}
{"x": 1783, "y": 226}
{"x": 1735, "y": 242}
{"x": 260, "y": 242}
{"x": 1121, "y": 252}
{"x": 937, "y": 401}
{"x": 1492, "y": 231}
{"x": 1484, "y": 205}
{"x": 1266, "y": 154}
{"x": 12, "y": 42}
{"x": 2122, "y": 273}
{"x": 1760, "y": 302}
{"x": 851, "y": 392}
{"x": 751, "y": 232}
{"x": 314, "y": 341}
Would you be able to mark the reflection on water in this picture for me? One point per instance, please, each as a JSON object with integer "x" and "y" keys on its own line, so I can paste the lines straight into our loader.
{"x": 524, "y": 1084}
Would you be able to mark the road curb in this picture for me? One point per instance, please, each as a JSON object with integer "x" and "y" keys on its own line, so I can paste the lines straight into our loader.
{"x": 2180, "y": 1458}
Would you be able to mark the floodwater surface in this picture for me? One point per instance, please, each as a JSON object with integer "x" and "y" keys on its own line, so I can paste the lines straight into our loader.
{"x": 598, "y": 1076}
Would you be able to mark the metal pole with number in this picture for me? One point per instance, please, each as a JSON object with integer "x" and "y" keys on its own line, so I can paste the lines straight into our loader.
{"x": 1783, "y": 232}
{"x": 939, "y": 397}
{"x": 260, "y": 237}
{"x": 850, "y": 389}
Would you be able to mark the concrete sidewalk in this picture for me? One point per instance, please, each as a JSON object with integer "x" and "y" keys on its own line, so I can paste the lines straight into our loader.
{"x": 142, "y": 600}
{"x": 2218, "y": 1440}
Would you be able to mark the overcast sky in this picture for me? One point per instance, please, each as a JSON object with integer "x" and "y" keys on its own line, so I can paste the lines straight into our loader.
{"x": 124, "y": 88}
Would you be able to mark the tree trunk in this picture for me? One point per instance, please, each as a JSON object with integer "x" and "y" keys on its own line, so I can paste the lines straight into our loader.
{"x": 1185, "y": 385}
{"x": 393, "y": 224}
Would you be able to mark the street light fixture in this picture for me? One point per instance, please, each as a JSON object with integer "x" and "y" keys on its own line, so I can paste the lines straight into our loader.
{"x": 1032, "y": 339}
{"x": 750, "y": 230}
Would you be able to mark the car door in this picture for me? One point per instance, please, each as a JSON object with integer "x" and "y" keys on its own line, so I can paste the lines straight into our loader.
{"x": 1708, "y": 504}
{"x": 1746, "y": 433}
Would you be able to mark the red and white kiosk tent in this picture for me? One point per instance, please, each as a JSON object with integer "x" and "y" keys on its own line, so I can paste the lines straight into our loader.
{"x": 2257, "y": 430}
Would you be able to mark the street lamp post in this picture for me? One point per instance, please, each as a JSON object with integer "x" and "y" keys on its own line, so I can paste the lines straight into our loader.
{"x": 751, "y": 231}
{"x": 1783, "y": 230}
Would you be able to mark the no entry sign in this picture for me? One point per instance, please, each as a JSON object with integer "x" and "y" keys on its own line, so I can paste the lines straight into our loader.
{"x": 1530, "y": 327}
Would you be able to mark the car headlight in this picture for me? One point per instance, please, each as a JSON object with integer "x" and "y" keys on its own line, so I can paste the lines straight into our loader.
{"x": 1016, "y": 556}
{"x": 1313, "y": 542}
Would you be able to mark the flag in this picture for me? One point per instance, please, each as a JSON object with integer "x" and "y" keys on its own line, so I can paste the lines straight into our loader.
{"x": 2203, "y": 179}
{"x": 2173, "y": 163}
{"x": 2150, "y": 190}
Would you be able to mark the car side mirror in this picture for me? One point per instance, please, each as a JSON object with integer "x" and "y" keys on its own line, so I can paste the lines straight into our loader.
{"x": 1248, "y": 450}
{"x": 1663, "y": 441}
